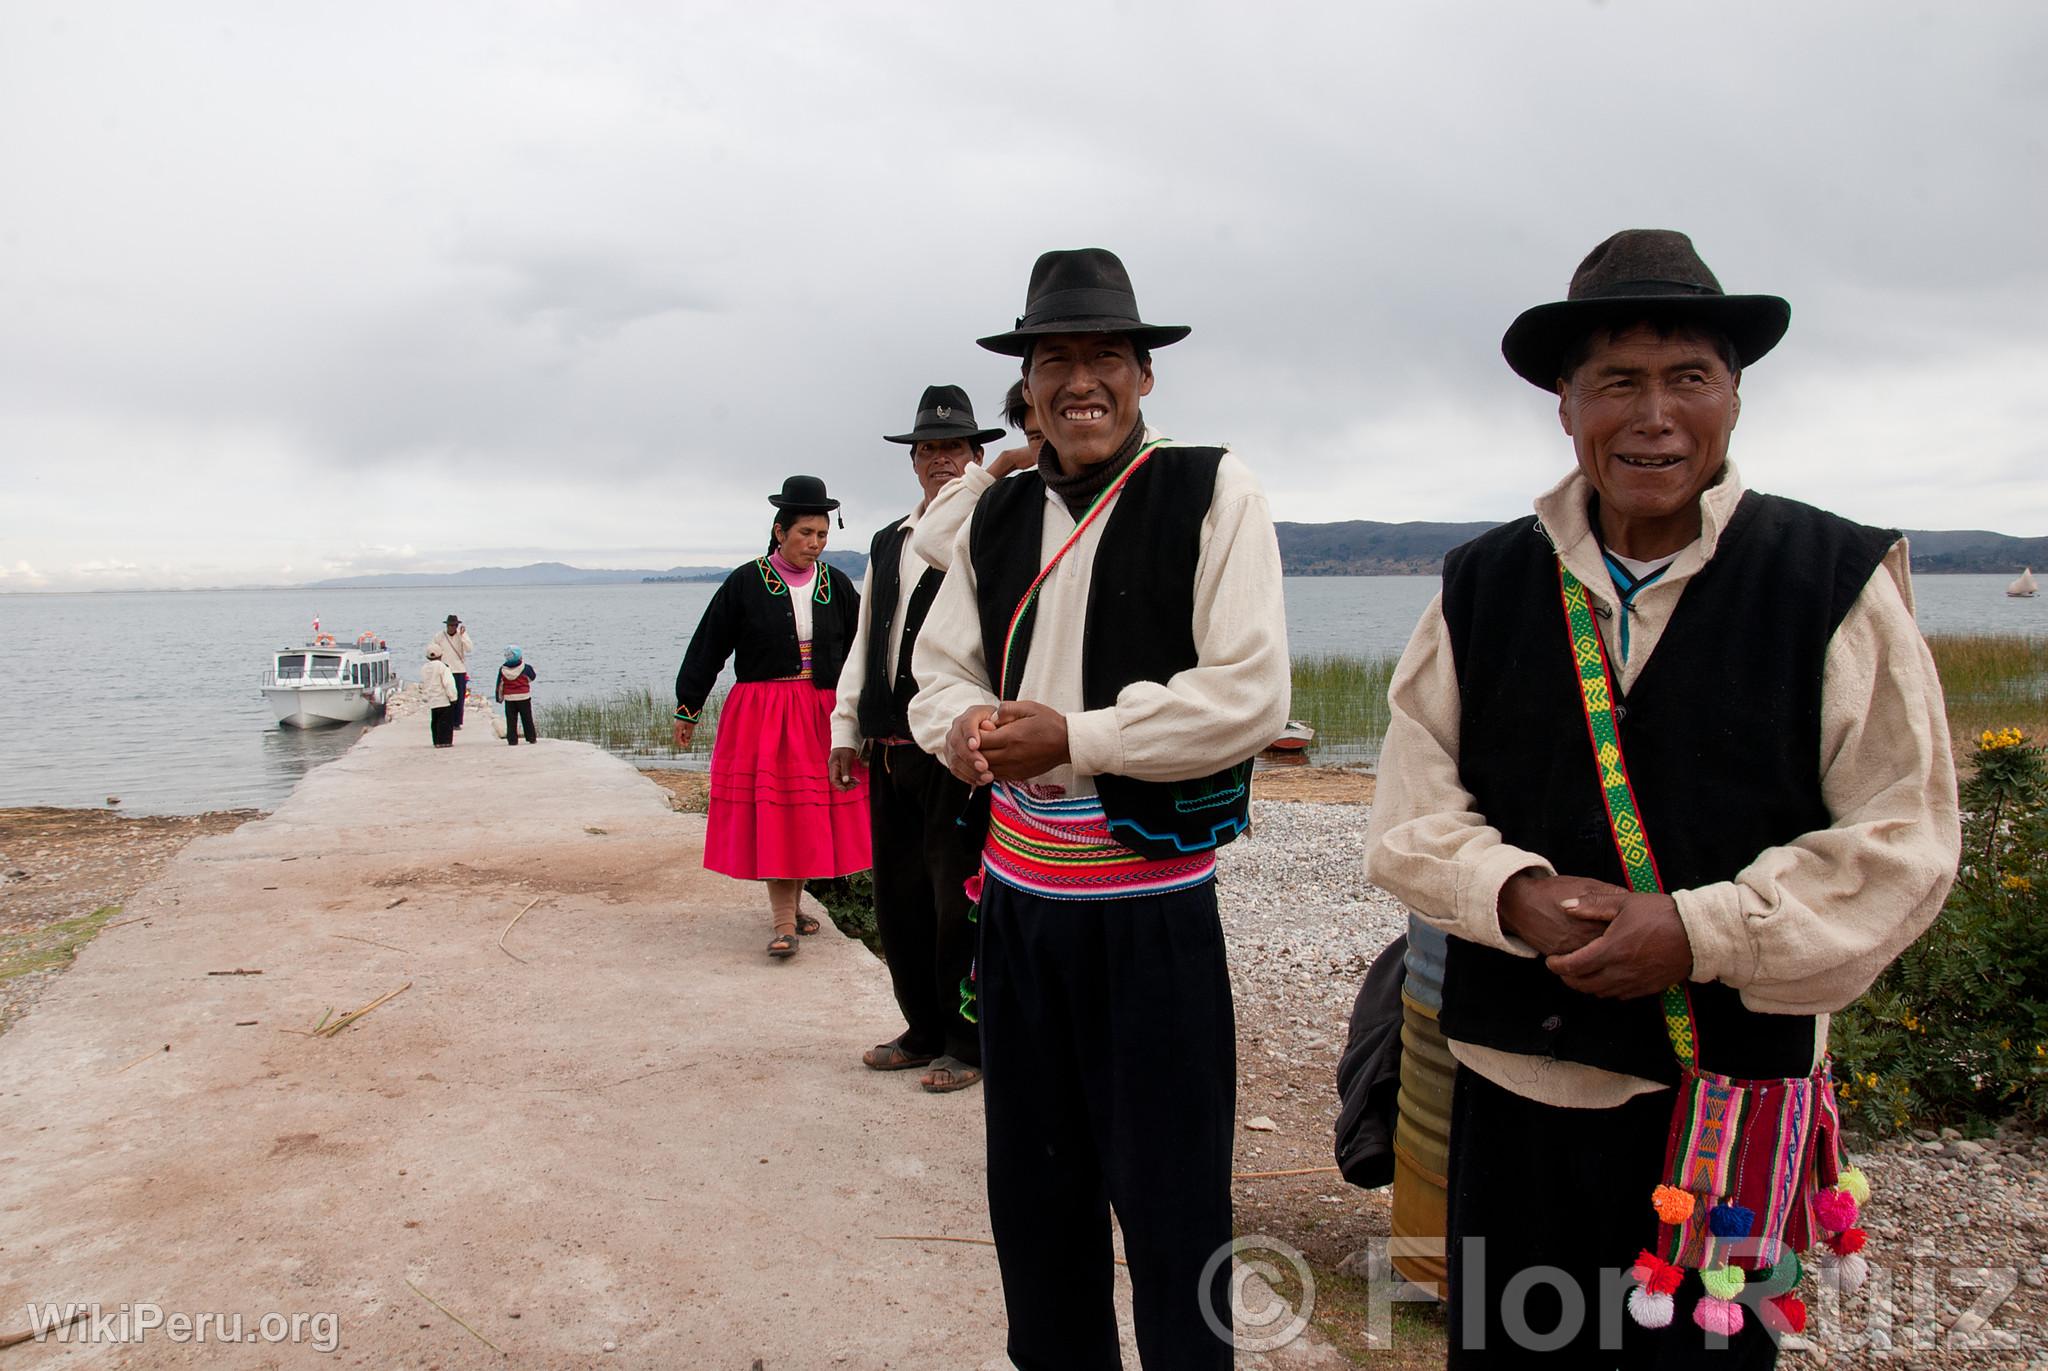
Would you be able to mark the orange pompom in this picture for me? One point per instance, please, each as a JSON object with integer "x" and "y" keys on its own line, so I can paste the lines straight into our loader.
{"x": 1673, "y": 1206}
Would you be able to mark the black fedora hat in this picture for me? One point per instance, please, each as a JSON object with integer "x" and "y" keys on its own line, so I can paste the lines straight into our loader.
{"x": 1640, "y": 272}
{"x": 803, "y": 495}
{"x": 1081, "y": 290}
{"x": 945, "y": 412}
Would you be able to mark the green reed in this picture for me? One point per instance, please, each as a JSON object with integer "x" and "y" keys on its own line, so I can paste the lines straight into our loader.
{"x": 1344, "y": 698}
{"x": 633, "y": 721}
{"x": 1992, "y": 681}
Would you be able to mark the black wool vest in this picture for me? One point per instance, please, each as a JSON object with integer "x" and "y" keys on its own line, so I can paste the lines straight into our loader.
{"x": 1141, "y": 627}
{"x": 884, "y": 703}
{"x": 1722, "y": 735}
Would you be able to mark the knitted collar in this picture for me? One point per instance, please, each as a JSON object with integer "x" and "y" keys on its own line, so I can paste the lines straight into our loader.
{"x": 790, "y": 573}
{"x": 1078, "y": 491}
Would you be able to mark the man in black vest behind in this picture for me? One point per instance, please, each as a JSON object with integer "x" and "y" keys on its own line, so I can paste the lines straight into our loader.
{"x": 923, "y": 856}
{"x": 1107, "y": 654}
{"x": 1783, "y": 733}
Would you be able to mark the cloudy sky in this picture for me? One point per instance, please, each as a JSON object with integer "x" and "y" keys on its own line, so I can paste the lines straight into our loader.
{"x": 294, "y": 291}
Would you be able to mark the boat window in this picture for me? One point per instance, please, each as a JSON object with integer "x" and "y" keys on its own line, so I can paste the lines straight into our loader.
{"x": 291, "y": 665}
{"x": 325, "y": 668}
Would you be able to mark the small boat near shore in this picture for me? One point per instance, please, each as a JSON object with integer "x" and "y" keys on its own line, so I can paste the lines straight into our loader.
{"x": 1294, "y": 738}
{"x": 325, "y": 684}
{"x": 2024, "y": 588}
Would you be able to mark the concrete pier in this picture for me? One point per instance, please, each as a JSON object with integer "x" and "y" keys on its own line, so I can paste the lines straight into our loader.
{"x": 627, "y": 1139}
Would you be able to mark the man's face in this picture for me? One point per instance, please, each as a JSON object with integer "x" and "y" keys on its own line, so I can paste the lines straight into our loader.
{"x": 1085, "y": 389}
{"x": 1649, "y": 418}
{"x": 937, "y": 461}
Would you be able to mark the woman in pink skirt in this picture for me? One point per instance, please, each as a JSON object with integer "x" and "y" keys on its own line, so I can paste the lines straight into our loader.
{"x": 786, "y": 620}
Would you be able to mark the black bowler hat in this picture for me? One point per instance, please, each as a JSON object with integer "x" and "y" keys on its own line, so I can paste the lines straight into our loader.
{"x": 945, "y": 412}
{"x": 803, "y": 495}
{"x": 1637, "y": 273}
{"x": 1081, "y": 290}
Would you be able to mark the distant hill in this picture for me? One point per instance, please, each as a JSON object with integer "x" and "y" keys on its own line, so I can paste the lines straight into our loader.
{"x": 1935, "y": 551}
{"x": 1356, "y": 547}
{"x": 559, "y": 574}
{"x": 1360, "y": 547}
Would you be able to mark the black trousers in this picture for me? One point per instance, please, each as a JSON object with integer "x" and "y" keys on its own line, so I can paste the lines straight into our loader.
{"x": 461, "y": 695}
{"x": 441, "y": 723}
{"x": 1110, "y": 1048}
{"x": 516, "y": 712}
{"x": 1548, "y": 1208}
{"x": 923, "y": 857}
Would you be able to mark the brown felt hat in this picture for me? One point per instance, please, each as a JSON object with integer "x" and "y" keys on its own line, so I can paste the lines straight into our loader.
{"x": 1639, "y": 273}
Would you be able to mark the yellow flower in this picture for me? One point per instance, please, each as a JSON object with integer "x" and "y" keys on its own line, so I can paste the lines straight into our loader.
{"x": 1909, "y": 1022}
{"x": 2018, "y": 883}
{"x": 1988, "y": 741}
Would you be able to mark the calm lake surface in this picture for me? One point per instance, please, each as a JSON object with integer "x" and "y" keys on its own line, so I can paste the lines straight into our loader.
{"x": 153, "y": 696}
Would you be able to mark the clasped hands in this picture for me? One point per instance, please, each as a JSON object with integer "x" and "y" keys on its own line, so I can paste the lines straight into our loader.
{"x": 1599, "y": 939}
{"x": 1013, "y": 741}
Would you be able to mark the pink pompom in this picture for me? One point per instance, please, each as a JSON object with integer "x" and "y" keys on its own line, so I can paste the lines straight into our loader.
{"x": 1649, "y": 1308}
{"x": 1834, "y": 1210}
{"x": 973, "y": 887}
{"x": 1718, "y": 1316}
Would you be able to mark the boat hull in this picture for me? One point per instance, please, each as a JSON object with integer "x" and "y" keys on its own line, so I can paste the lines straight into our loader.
{"x": 319, "y": 706}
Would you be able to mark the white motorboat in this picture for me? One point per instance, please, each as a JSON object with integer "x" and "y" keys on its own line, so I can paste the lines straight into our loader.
{"x": 325, "y": 684}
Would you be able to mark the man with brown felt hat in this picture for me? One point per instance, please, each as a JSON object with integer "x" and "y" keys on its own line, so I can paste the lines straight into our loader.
{"x": 923, "y": 857}
{"x": 1668, "y": 762}
{"x": 1107, "y": 654}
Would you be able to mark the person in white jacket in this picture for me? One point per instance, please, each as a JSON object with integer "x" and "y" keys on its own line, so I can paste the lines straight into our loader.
{"x": 444, "y": 697}
{"x": 455, "y": 645}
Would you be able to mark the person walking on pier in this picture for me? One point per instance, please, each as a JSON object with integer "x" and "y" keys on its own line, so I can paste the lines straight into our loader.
{"x": 442, "y": 694}
{"x": 514, "y": 689}
{"x": 786, "y": 620}
{"x": 454, "y": 644}
{"x": 923, "y": 856}
{"x": 1110, "y": 775}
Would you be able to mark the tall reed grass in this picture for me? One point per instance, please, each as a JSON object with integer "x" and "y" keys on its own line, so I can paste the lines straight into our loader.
{"x": 634, "y": 722}
{"x": 1992, "y": 681}
{"x": 1344, "y": 698}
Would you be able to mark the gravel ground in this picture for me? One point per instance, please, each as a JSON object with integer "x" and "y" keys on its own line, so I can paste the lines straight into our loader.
{"x": 1958, "y": 1227}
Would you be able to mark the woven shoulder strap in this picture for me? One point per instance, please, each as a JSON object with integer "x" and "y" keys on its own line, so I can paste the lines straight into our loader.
{"x": 1004, "y": 685}
{"x": 1624, "y": 820}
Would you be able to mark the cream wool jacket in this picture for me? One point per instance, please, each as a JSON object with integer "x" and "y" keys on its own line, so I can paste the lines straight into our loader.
{"x": 439, "y": 680}
{"x": 1804, "y": 928}
{"x": 454, "y": 651}
{"x": 1224, "y": 709}
{"x": 911, "y": 568}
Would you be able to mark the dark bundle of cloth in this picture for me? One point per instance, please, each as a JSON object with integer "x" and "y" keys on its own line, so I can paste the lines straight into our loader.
{"x": 1369, "y": 1073}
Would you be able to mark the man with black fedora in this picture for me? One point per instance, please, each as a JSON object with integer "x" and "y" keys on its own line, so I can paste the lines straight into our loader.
{"x": 1668, "y": 761}
{"x": 923, "y": 856}
{"x": 455, "y": 645}
{"x": 1105, "y": 657}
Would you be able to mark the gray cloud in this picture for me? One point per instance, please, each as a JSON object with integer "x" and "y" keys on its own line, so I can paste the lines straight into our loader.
{"x": 471, "y": 276}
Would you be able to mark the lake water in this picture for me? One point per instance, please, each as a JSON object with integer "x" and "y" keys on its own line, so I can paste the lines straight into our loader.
{"x": 153, "y": 696}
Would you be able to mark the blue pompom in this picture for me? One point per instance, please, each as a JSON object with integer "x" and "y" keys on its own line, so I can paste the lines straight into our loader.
{"x": 1730, "y": 1221}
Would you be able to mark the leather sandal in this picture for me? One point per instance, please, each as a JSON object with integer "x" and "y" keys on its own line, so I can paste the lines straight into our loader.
{"x": 805, "y": 924}
{"x": 784, "y": 945}
{"x": 893, "y": 1056}
{"x": 958, "y": 1075}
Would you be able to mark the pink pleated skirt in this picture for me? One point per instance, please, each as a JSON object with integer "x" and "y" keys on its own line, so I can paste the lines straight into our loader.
{"x": 774, "y": 813}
